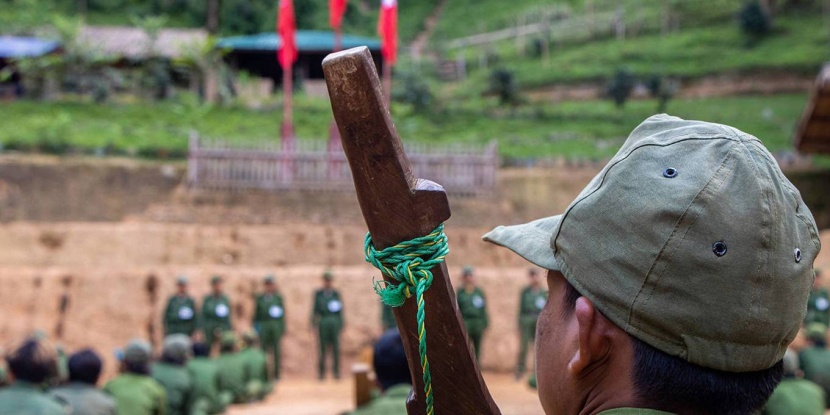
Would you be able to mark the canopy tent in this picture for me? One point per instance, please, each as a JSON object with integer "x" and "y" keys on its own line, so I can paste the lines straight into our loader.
{"x": 12, "y": 47}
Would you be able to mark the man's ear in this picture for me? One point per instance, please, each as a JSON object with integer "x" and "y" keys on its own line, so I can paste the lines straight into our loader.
{"x": 594, "y": 338}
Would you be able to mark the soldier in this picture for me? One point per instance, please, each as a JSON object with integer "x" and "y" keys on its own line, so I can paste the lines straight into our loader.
{"x": 815, "y": 359}
{"x": 171, "y": 372}
{"x": 818, "y": 305}
{"x": 794, "y": 395}
{"x": 233, "y": 373}
{"x": 256, "y": 364}
{"x": 31, "y": 366}
{"x": 327, "y": 316}
{"x": 392, "y": 376}
{"x": 531, "y": 303}
{"x": 678, "y": 277}
{"x": 205, "y": 375}
{"x": 216, "y": 312}
{"x": 80, "y": 393}
{"x": 180, "y": 314}
{"x": 134, "y": 391}
{"x": 269, "y": 322}
{"x": 473, "y": 307}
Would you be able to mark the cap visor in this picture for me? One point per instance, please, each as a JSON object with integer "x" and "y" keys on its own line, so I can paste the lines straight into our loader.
{"x": 530, "y": 240}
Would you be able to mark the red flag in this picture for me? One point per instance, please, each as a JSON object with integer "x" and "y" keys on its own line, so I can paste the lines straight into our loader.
{"x": 337, "y": 8}
{"x": 286, "y": 26}
{"x": 388, "y": 30}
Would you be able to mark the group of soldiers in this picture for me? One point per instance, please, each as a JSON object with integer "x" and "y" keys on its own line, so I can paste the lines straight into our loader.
{"x": 182, "y": 380}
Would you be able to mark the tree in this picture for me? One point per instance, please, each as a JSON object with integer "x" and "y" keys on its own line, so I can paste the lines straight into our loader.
{"x": 755, "y": 21}
{"x": 620, "y": 87}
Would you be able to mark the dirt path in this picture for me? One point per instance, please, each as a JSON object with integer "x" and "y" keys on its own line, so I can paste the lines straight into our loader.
{"x": 309, "y": 397}
{"x": 417, "y": 46}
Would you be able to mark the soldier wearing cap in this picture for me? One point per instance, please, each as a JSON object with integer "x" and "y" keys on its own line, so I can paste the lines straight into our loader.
{"x": 677, "y": 277}
{"x": 80, "y": 393}
{"x": 531, "y": 302}
{"x": 205, "y": 375}
{"x": 216, "y": 312}
{"x": 473, "y": 307}
{"x": 134, "y": 391}
{"x": 392, "y": 376}
{"x": 269, "y": 322}
{"x": 180, "y": 314}
{"x": 171, "y": 372}
{"x": 31, "y": 366}
{"x": 795, "y": 395}
{"x": 233, "y": 373}
{"x": 815, "y": 359}
{"x": 256, "y": 365}
{"x": 327, "y": 316}
{"x": 818, "y": 305}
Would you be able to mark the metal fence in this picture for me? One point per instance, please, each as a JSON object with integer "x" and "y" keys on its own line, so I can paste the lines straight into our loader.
{"x": 463, "y": 170}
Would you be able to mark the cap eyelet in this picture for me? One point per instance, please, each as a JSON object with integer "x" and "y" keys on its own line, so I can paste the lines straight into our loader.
{"x": 797, "y": 253}
{"x": 670, "y": 173}
{"x": 719, "y": 248}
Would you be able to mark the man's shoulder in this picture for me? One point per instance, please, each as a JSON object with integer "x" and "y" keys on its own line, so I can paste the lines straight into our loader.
{"x": 88, "y": 393}
{"x": 633, "y": 411}
{"x": 33, "y": 400}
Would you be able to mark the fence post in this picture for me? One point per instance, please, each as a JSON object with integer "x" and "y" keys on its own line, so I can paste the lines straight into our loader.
{"x": 192, "y": 158}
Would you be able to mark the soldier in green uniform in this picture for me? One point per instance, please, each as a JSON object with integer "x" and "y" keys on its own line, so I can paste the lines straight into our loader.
{"x": 818, "y": 305}
{"x": 233, "y": 373}
{"x": 392, "y": 376}
{"x": 327, "y": 317}
{"x": 171, "y": 372}
{"x": 531, "y": 303}
{"x": 473, "y": 307}
{"x": 795, "y": 395}
{"x": 134, "y": 391}
{"x": 216, "y": 312}
{"x": 180, "y": 314}
{"x": 269, "y": 322}
{"x": 31, "y": 366}
{"x": 815, "y": 359}
{"x": 80, "y": 393}
{"x": 256, "y": 363}
{"x": 205, "y": 375}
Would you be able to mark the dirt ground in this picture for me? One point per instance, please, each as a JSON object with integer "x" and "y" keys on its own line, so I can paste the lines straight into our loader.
{"x": 310, "y": 397}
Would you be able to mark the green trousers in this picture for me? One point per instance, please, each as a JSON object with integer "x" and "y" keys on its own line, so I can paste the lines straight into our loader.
{"x": 475, "y": 331}
{"x": 329, "y": 336}
{"x": 527, "y": 334}
{"x": 270, "y": 339}
{"x": 213, "y": 333}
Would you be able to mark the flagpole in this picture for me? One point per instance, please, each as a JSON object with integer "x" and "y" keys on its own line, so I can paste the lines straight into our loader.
{"x": 287, "y": 124}
{"x": 387, "y": 84}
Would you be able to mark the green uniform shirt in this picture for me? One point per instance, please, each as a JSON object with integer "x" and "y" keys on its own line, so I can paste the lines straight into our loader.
{"x": 818, "y": 307}
{"x": 327, "y": 307}
{"x": 84, "y": 399}
{"x": 233, "y": 375}
{"x": 255, "y": 363}
{"x": 205, "y": 375}
{"x": 531, "y": 304}
{"x": 180, "y": 315}
{"x": 815, "y": 362}
{"x": 269, "y": 311}
{"x": 392, "y": 402}
{"x": 796, "y": 397}
{"x": 136, "y": 394}
{"x": 177, "y": 385}
{"x": 23, "y": 398}
{"x": 216, "y": 312}
{"x": 473, "y": 307}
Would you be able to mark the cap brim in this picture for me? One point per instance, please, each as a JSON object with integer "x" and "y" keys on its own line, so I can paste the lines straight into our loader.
{"x": 530, "y": 240}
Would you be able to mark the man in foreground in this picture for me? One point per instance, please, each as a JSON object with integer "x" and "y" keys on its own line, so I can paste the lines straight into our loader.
{"x": 677, "y": 278}
{"x": 31, "y": 366}
{"x": 205, "y": 375}
{"x": 134, "y": 391}
{"x": 81, "y": 393}
{"x": 392, "y": 376}
{"x": 172, "y": 374}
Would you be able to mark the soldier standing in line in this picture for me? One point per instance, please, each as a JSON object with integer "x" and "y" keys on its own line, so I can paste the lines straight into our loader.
{"x": 532, "y": 301}
{"x": 269, "y": 323}
{"x": 473, "y": 307}
{"x": 31, "y": 365}
{"x": 180, "y": 314}
{"x": 327, "y": 316}
{"x": 216, "y": 312}
{"x": 818, "y": 305}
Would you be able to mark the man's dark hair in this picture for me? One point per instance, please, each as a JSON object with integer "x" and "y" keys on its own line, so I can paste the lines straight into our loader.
{"x": 33, "y": 362}
{"x": 84, "y": 366}
{"x": 671, "y": 384}
{"x": 201, "y": 349}
{"x": 389, "y": 360}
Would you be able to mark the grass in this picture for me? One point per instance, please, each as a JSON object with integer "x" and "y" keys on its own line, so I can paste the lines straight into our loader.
{"x": 588, "y": 129}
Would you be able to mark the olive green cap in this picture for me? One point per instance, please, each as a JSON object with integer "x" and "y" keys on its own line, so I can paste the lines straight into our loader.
{"x": 228, "y": 338}
{"x": 816, "y": 331}
{"x": 137, "y": 351}
{"x": 269, "y": 279}
{"x": 214, "y": 279}
{"x": 691, "y": 240}
{"x": 177, "y": 346}
{"x": 328, "y": 276}
{"x": 467, "y": 270}
{"x": 181, "y": 280}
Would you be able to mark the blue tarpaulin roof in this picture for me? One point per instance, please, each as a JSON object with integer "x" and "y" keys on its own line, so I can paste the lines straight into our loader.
{"x": 25, "y": 47}
{"x": 307, "y": 41}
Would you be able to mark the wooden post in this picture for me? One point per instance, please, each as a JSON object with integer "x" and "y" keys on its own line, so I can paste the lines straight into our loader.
{"x": 362, "y": 384}
{"x": 397, "y": 206}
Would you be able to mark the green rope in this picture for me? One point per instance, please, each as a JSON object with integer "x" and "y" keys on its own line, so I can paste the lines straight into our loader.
{"x": 410, "y": 263}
